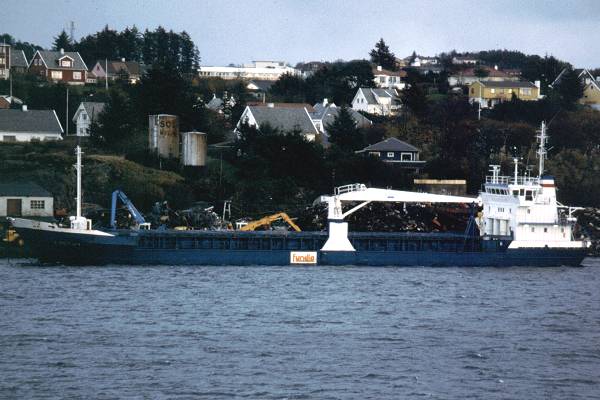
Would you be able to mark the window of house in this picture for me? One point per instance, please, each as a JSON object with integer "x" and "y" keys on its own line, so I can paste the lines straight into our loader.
{"x": 2, "y": 60}
{"x": 375, "y": 153}
{"x": 382, "y": 79}
{"x": 546, "y": 230}
{"x": 81, "y": 130}
{"x": 516, "y": 193}
{"x": 56, "y": 74}
{"x": 76, "y": 75}
{"x": 532, "y": 229}
{"x": 406, "y": 157}
{"x": 472, "y": 91}
{"x": 525, "y": 91}
{"x": 528, "y": 211}
{"x": 493, "y": 91}
{"x": 65, "y": 63}
{"x": 37, "y": 204}
{"x": 84, "y": 116}
{"x": 390, "y": 154}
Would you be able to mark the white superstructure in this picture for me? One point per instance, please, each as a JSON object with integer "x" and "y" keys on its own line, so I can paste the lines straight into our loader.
{"x": 526, "y": 208}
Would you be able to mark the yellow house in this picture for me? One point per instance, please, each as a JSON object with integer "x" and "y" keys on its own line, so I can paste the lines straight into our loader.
{"x": 591, "y": 89}
{"x": 591, "y": 94}
{"x": 490, "y": 93}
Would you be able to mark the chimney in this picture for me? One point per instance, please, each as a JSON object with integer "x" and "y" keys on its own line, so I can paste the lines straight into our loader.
{"x": 325, "y": 102}
{"x": 379, "y": 68}
{"x": 537, "y": 84}
{"x": 24, "y": 107}
{"x": 123, "y": 59}
{"x": 62, "y": 51}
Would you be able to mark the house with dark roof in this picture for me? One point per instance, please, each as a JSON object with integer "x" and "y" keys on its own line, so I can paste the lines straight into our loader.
{"x": 469, "y": 75}
{"x": 59, "y": 66}
{"x": 392, "y": 150}
{"x": 377, "y": 101}
{"x": 87, "y": 113}
{"x": 490, "y": 93}
{"x": 11, "y": 60}
{"x": 285, "y": 119}
{"x": 325, "y": 113}
{"x": 26, "y": 125}
{"x": 115, "y": 68}
{"x": 25, "y": 199}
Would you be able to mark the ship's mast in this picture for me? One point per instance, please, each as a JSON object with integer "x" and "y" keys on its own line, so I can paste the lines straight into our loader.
{"x": 78, "y": 170}
{"x": 541, "y": 151}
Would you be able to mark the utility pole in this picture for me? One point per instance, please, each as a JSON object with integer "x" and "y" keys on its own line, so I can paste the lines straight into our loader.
{"x": 67, "y": 114}
{"x": 106, "y": 72}
{"x": 479, "y": 102}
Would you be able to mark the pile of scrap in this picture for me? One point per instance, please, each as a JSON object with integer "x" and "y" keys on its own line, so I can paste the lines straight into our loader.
{"x": 392, "y": 217}
{"x": 589, "y": 225}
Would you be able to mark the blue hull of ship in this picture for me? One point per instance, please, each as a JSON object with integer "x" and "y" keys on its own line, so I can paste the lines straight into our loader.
{"x": 264, "y": 248}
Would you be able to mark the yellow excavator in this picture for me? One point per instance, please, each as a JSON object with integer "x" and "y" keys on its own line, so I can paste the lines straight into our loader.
{"x": 266, "y": 221}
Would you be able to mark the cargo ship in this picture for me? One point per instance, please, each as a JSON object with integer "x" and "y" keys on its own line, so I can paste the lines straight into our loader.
{"x": 520, "y": 224}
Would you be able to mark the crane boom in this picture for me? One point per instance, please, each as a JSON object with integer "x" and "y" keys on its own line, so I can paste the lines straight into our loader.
{"x": 137, "y": 216}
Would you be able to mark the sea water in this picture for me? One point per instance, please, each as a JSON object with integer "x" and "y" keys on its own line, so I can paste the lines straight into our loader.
{"x": 299, "y": 332}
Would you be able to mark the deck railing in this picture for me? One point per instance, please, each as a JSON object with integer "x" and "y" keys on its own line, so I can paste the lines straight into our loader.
{"x": 510, "y": 180}
{"x": 354, "y": 187}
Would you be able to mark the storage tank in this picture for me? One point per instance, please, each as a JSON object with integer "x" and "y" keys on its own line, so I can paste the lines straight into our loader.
{"x": 193, "y": 149}
{"x": 163, "y": 130}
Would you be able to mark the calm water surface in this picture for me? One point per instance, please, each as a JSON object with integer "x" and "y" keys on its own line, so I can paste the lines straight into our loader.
{"x": 299, "y": 333}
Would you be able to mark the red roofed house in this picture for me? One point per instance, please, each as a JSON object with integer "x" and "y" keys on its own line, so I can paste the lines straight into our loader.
{"x": 59, "y": 66}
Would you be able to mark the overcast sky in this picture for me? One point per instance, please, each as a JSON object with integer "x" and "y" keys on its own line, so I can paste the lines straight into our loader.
{"x": 237, "y": 32}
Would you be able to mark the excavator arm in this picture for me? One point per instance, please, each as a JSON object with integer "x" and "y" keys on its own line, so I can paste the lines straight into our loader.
{"x": 253, "y": 225}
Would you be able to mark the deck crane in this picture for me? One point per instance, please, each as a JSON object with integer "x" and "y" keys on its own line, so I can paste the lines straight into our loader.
{"x": 357, "y": 192}
{"x": 137, "y": 216}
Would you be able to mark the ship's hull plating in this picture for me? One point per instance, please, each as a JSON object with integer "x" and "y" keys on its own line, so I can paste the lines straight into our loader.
{"x": 264, "y": 248}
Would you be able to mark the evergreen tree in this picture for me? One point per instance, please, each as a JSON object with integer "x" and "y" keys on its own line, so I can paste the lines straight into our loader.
{"x": 129, "y": 44}
{"x": 344, "y": 133}
{"x": 62, "y": 41}
{"x": 116, "y": 123}
{"x": 190, "y": 58}
{"x": 381, "y": 55}
{"x": 570, "y": 89}
{"x": 415, "y": 100}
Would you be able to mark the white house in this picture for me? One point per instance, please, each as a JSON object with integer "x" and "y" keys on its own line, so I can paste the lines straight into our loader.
{"x": 376, "y": 101}
{"x": 26, "y": 125}
{"x": 387, "y": 79}
{"x": 25, "y": 200}
{"x": 262, "y": 70}
{"x": 285, "y": 119}
{"x": 86, "y": 114}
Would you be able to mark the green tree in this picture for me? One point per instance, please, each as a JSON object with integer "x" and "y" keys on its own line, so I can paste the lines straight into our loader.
{"x": 381, "y": 55}
{"x": 415, "y": 100}
{"x": 116, "y": 123}
{"x": 570, "y": 89}
{"x": 481, "y": 72}
{"x": 289, "y": 88}
{"x": 62, "y": 41}
{"x": 344, "y": 133}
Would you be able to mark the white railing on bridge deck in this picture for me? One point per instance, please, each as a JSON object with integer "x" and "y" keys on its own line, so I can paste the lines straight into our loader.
{"x": 355, "y": 187}
{"x": 510, "y": 180}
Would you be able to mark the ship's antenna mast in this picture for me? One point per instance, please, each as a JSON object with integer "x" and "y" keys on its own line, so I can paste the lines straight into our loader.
{"x": 78, "y": 153}
{"x": 541, "y": 151}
